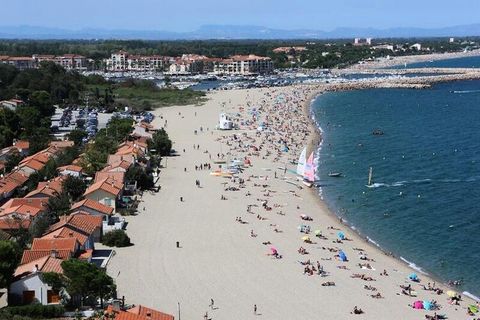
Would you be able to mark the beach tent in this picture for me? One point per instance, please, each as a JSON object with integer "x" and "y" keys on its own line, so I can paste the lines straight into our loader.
{"x": 318, "y": 232}
{"x": 473, "y": 308}
{"x": 341, "y": 235}
{"x": 418, "y": 305}
{"x": 306, "y": 238}
{"x": 342, "y": 256}
{"x": 427, "y": 305}
{"x": 413, "y": 277}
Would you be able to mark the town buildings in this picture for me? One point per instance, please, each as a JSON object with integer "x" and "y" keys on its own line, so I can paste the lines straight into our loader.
{"x": 67, "y": 61}
{"x": 190, "y": 64}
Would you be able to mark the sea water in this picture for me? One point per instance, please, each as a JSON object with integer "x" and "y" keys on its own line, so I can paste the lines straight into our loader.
{"x": 424, "y": 205}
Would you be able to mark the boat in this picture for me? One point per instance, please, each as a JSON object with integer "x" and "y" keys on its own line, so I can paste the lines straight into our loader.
{"x": 301, "y": 162}
{"x": 377, "y": 132}
{"x": 370, "y": 174}
{"x": 335, "y": 174}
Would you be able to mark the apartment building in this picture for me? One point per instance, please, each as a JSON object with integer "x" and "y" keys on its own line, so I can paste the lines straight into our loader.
{"x": 244, "y": 65}
{"x": 123, "y": 61}
{"x": 68, "y": 61}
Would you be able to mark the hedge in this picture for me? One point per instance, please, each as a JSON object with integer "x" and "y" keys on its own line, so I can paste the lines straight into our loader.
{"x": 37, "y": 311}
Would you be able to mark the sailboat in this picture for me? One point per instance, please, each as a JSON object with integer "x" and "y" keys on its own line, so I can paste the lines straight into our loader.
{"x": 370, "y": 174}
{"x": 309, "y": 174}
{"x": 301, "y": 162}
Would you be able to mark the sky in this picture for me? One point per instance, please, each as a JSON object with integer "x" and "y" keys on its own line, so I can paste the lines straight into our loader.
{"x": 188, "y": 15}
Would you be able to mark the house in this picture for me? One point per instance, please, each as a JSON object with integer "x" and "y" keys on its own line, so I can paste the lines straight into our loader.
{"x": 23, "y": 146}
{"x": 28, "y": 285}
{"x": 136, "y": 313}
{"x": 60, "y": 248}
{"x": 48, "y": 189}
{"x": 81, "y": 222}
{"x": 137, "y": 150}
{"x": 92, "y": 207}
{"x": 71, "y": 170}
{"x": 11, "y": 104}
{"x": 10, "y": 183}
{"x": 20, "y": 213}
{"x": 120, "y": 166}
{"x": 117, "y": 176}
{"x": 416, "y": 46}
{"x": 105, "y": 191}
{"x": 114, "y": 158}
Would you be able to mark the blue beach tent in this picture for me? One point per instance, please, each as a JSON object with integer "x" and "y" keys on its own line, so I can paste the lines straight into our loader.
{"x": 341, "y": 235}
{"x": 342, "y": 256}
{"x": 413, "y": 277}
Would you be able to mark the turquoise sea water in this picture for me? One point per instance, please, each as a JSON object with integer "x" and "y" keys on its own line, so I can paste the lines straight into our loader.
{"x": 426, "y": 168}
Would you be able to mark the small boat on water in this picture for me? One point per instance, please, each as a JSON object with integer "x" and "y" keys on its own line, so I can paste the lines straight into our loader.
{"x": 370, "y": 175}
{"x": 335, "y": 174}
{"x": 377, "y": 132}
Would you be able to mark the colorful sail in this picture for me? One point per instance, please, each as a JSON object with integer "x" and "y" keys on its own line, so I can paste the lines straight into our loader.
{"x": 301, "y": 162}
{"x": 309, "y": 169}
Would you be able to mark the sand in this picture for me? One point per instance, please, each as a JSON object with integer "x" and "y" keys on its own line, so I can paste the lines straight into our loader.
{"x": 219, "y": 259}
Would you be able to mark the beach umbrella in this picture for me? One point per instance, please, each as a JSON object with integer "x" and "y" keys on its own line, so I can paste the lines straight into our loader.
{"x": 427, "y": 305}
{"x": 274, "y": 251}
{"x": 306, "y": 238}
{"x": 342, "y": 256}
{"x": 318, "y": 232}
{"x": 341, "y": 235}
{"x": 303, "y": 216}
{"x": 413, "y": 277}
{"x": 451, "y": 293}
{"x": 473, "y": 308}
{"x": 418, "y": 304}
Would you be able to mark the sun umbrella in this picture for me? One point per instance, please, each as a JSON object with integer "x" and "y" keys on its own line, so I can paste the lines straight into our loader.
{"x": 342, "y": 255}
{"x": 427, "y": 305}
{"x": 318, "y": 232}
{"x": 473, "y": 308}
{"x": 413, "y": 276}
{"x": 274, "y": 251}
{"x": 306, "y": 238}
{"x": 303, "y": 215}
{"x": 451, "y": 293}
{"x": 341, "y": 235}
{"x": 418, "y": 304}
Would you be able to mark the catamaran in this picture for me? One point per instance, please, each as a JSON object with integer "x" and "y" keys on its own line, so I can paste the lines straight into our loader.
{"x": 306, "y": 169}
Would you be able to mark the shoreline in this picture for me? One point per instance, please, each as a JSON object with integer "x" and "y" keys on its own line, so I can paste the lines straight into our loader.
{"x": 401, "y": 60}
{"x": 316, "y": 140}
{"x": 217, "y": 253}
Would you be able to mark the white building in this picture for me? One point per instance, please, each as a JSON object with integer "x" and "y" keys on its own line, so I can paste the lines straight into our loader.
{"x": 244, "y": 64}
{"x": 416, "y": 46}
{"x": 225, "y": 122}
{"x": 123, "y": 61}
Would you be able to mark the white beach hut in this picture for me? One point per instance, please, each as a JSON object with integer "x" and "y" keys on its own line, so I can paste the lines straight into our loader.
{"x": 225, "y": 122}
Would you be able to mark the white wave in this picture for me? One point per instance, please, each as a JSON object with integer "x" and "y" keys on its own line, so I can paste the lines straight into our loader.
{"x": 413, "y": 266}
{"x": 373, "y": 241}
{"x": 468, "y": 294}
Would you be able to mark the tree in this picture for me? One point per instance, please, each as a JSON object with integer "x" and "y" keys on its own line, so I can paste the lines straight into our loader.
{"x": 6, "y": 136}
{"x": 83, "y": 279}
{"x": 116, "y": 238}
{"x": 10, "y": 254}
{"x": 161, "y": 143}
{"x": 41, "y": 100}
{"x": 74, "y": 187}
{"x": 59, "y": 205}
{"x": 138, "y": 174}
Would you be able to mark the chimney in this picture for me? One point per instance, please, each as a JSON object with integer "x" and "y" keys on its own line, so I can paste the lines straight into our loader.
{"x": 54, "y": 253}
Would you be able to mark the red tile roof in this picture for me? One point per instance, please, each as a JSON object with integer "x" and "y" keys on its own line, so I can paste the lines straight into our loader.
{"x": 70, "y": 167}
{"x": 67, "y": 231}
{"x": 93, "y": 205}
{"x": 148, "y": 313}
{"x": 81, "y": 222}
{"x": 55, "y": 244}
{"x": 45, "y": 264}
{"x": 49, "y": 189}
{"x": 22, "y": 145}
{"x": 32, "y": 255}
{"x": 117, "y": 176}
{"x": 39, "y": 203}
{"x": 10, "y": 223}
{"x": 107, "y": 185}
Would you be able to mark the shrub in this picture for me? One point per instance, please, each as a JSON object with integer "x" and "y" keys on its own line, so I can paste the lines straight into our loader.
{"x": 37, "y": 311}
{"x": 116, "y": 238}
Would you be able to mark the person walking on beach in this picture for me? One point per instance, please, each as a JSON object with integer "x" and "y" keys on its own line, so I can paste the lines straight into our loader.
{"x": 212, "y": 303}
{"x": 255, "y": 309}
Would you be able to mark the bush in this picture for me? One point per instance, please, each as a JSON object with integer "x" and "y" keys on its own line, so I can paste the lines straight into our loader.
{"x": 116, "y": 238}
{"x": 37, "y": 311}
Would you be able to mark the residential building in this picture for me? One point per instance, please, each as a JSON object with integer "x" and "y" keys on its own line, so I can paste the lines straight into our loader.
{"x": 71, "y": 170}
{"x": 105, "y": 191}
{"x": 92, "y": 207}
{"x": 48, "y": 189}
{"x": 123, "y": 61}
{"x": 244, "y": 65}
{"x": 11, "y": 104}
{"x": 136, "y": 313}
{"x": 28, "y": 285}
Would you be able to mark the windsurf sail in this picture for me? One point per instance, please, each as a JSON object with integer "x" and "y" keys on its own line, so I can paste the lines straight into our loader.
{"x": 309, "y": 169}
{"x": 301, "y": 162}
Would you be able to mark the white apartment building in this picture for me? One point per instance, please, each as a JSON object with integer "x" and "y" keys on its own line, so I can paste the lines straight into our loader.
{"x": 244, "y": 64}
{"x": 123, "y": 61}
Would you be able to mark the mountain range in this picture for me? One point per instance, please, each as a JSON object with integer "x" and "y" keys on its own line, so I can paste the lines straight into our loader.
{"x": 234, "y": 32}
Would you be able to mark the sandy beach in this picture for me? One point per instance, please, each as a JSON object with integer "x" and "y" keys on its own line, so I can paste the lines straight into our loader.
{"x": 231, "y": 261}
{"x": 401, "y": 60}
